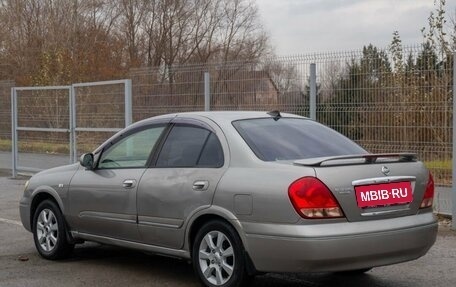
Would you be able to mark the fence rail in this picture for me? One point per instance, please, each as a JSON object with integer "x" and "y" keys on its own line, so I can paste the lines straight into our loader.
{"x": 35, "y": 111}
{"x": 54, "y": 119}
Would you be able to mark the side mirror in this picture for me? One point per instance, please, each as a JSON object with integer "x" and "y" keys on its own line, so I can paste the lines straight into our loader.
{"x": 86, "y": 160}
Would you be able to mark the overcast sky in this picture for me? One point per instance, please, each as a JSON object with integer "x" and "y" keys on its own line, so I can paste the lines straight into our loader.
{"x": 302, "y": 26}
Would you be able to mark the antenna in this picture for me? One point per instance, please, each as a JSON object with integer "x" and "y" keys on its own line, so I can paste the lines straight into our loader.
{"x": 275, "y": 115}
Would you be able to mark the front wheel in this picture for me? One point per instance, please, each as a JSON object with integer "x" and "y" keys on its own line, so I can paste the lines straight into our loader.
{"x": 49, "y": 232}
{"x": 217, "y": 256}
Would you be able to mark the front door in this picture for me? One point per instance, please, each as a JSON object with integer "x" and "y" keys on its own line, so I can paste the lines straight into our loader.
{"x": 103, "y": 200}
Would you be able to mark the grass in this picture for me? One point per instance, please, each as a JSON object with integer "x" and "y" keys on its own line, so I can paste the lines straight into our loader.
{"x": 5, "y": 145}
{"x": 439, "y": 164}
{"x": 44, "y": 147}
{"x": 441, "y": 170}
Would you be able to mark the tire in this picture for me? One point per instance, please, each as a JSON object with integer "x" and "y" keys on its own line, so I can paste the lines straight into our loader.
{"x": 49, "y": 232}
{"x": 213, "y": 262}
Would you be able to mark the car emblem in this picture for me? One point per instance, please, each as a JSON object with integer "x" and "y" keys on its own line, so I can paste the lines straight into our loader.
{"x": 385, "y": 170}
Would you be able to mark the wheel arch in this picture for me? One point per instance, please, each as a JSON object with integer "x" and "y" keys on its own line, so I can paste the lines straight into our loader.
{"x": 206, "y": 215}
{"x": 198, "y": 223}
{"x": 216, "y": 213}
{"x": 41, "y": 194}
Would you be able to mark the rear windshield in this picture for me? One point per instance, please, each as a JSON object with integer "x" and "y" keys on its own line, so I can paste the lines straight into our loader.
{"x": 293, "y": 138}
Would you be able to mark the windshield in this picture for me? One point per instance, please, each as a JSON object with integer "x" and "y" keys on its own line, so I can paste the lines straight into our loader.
{"x": 293, "y": 138}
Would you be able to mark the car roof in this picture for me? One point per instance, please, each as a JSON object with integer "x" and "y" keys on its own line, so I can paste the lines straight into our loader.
{"x": 220, "y": 117}
{"x": 229, "y": 116}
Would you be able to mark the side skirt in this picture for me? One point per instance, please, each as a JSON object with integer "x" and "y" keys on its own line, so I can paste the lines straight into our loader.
{"x": 178, "y": 253}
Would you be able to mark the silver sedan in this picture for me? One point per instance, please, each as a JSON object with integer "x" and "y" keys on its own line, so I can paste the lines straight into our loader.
{"x": 237, "y": 193}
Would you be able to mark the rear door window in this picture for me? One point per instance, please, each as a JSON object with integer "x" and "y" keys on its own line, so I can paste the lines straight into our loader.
{"x": 190, "y": 146}
{"x": 212, "y": 155}
{"x": 293, "y": 138}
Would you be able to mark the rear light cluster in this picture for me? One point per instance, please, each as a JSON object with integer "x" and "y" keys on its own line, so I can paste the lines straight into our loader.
{"x": 428, "y": 198}
{"x": 312, "y": 199}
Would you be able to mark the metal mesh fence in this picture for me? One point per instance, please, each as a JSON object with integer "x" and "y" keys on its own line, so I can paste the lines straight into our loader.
{"x": 42, "y": 127}
{"x": 98, "y": 107}
{"x": 270, "y": 84}
{"x": 5, "y": 113}
{"x": 391, "y": 105}
{"x": 384, "y": 101}
{"x": 101, "y": 106}
{"x": 43, "y": 109}
{"x": 159, "y": 91}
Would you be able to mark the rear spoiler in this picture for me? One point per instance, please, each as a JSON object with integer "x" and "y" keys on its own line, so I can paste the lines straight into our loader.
{"x": 368, "y": 158}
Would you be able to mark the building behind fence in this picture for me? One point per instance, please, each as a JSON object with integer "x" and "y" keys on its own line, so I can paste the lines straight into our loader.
{"x": 384, "y": 102}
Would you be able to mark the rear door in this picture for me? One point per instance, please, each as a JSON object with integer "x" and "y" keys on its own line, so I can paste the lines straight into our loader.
{"x": 180, "y": 182}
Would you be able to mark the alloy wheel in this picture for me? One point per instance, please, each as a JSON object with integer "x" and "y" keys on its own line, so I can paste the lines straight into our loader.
{"x": 216, "y": 258}
{"x": 47, "y": 230}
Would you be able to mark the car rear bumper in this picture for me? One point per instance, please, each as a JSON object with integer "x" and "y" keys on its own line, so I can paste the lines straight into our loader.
{"x": 340, "y": 251}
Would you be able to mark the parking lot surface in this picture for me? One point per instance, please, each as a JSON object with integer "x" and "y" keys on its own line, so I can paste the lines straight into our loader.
{"x": 99, "y": 265}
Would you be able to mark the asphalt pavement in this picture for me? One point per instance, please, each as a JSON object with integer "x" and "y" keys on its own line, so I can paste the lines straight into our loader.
{"x": 34, "y": 160}
{"x": 99, "y": 265}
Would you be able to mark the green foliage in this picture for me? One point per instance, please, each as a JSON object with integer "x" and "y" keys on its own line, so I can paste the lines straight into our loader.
{"x": 355, "y": 91}
{"x": 393, "y": 94}
{"x": 400, "y": 99}
{"x": 440, "y": 36}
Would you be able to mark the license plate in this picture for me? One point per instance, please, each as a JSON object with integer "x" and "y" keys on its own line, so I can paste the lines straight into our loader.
{"x": 384, "y": 194}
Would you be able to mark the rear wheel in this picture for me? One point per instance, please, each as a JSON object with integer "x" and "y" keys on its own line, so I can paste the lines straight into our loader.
{"x": 217, "y": 256}
{"x": 49, "y": 232}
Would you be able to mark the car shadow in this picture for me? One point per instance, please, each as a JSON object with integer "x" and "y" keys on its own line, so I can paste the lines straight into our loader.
{"x": 134, "y": 264}
{"x": 176, "y": 272}
{"x": 322, "y": 279}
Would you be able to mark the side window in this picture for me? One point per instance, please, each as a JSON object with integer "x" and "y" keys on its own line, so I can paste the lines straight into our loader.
{"x": 188, "y": 146}
{"x": 212, "y": 155}
{"x": 132, "y": 151}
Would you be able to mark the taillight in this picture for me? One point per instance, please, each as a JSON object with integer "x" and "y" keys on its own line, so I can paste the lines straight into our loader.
{"x": 428, "y": 198}
{"x": 312, "y": 199}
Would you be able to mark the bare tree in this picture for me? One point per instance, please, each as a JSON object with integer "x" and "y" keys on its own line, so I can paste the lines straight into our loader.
{"x": 59, "y": 41}
{"x": 131, "y": 14}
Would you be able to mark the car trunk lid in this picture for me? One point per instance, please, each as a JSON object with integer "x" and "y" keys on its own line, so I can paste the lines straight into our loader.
{"x": 372, "y": 186}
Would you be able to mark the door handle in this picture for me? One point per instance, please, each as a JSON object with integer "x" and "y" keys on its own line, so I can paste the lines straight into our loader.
{"x": 200, "y": 185}
{"x": 129, "y": 183}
